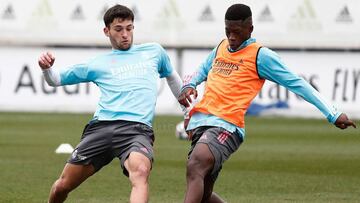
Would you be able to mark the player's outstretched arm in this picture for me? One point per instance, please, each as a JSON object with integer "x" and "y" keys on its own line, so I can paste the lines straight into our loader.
{"x": 51, "y": 76}
{"x": 343, "y": 122}
{"x": 46, "y": 60}
{"x": 175, "y": 83}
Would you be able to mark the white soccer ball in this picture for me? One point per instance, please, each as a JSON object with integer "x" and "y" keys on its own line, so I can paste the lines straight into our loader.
{"x": 180, "y": 132}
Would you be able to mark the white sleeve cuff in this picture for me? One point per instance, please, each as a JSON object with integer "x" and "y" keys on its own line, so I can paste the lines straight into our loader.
{"x": 175, "y": 83}
{"x": 52, "y": 77}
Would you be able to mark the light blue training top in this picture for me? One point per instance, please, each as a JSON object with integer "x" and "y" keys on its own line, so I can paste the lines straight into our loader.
{"x": 270, "y": 67}
{"x": 127, "y": 81}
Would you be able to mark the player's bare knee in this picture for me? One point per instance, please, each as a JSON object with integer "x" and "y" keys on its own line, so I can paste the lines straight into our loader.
{"x": 61, "y": 187}
{"x": 195, "y": 168}
{"x": 199, "y": 162}
{"x": 140, "y": 174}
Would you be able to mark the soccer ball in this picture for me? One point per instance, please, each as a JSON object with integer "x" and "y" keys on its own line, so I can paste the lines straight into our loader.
{"x": 180, "y": 131}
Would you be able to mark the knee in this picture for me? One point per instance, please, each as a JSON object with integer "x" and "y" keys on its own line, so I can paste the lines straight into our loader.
{"x": 140, "y": 173}
{"x": 192, "y": 169}
{"x": 196, "y": 166}
{"x": 60, "y": 187}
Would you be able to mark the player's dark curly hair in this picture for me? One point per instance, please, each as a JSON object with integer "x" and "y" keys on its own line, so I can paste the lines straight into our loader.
{"x": 117, "y": 11}
{"x": 238, "y": 12}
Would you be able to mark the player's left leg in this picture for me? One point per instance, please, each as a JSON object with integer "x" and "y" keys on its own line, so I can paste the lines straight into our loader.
{"x": 133, "y": 145}
{"x": 199, "y": 165}
{"x": 138, "y": 167}
{"x": 211, "y": 147}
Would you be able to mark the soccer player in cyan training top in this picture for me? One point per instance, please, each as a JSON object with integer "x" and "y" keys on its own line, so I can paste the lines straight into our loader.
{"x": 122, "y": 124}
{"x": 234, "y": 72}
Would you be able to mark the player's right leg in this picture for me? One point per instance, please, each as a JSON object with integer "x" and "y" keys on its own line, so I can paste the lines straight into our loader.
{"x": 71, "y": 177}
{"x": 90, "y": 155}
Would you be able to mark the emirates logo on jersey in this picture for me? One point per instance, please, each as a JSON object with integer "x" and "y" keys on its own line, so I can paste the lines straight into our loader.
{"x": 224, "y": 67}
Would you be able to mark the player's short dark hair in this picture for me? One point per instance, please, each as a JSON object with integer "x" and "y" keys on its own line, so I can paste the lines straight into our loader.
{"x": 117, "y": 11}
{"x": 238, "y": 12}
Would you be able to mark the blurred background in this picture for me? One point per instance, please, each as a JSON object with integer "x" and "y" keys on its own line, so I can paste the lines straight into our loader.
{"x": 317, "y": 39}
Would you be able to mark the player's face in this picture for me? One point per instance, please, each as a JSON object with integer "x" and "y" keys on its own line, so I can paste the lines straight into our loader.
{"x": 238, "y": 31}
{"x": 120, "y": 33}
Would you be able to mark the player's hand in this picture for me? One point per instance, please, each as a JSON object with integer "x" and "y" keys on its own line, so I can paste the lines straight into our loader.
{"x": 185, "y": 96}
{"x": 343, "y": 122}
{"x": 46, "y": 60}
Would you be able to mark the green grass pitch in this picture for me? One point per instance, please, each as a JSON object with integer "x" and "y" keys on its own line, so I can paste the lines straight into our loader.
{"x": 281, "y": 160}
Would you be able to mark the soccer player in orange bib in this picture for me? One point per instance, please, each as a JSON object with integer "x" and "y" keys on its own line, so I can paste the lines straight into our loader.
{"x": 235, "y": 72}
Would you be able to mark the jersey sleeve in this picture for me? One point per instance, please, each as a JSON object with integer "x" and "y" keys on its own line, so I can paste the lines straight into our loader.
{"x": 271, "y": 67}
{"x": 165, "y": 68}
{"x": 202, "y": 72}
{"x": 75, "y": 74}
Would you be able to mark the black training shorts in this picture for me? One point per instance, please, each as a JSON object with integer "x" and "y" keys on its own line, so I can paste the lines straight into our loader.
{"x": 221, "y": 143}
{"x": 102, "y": 141}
